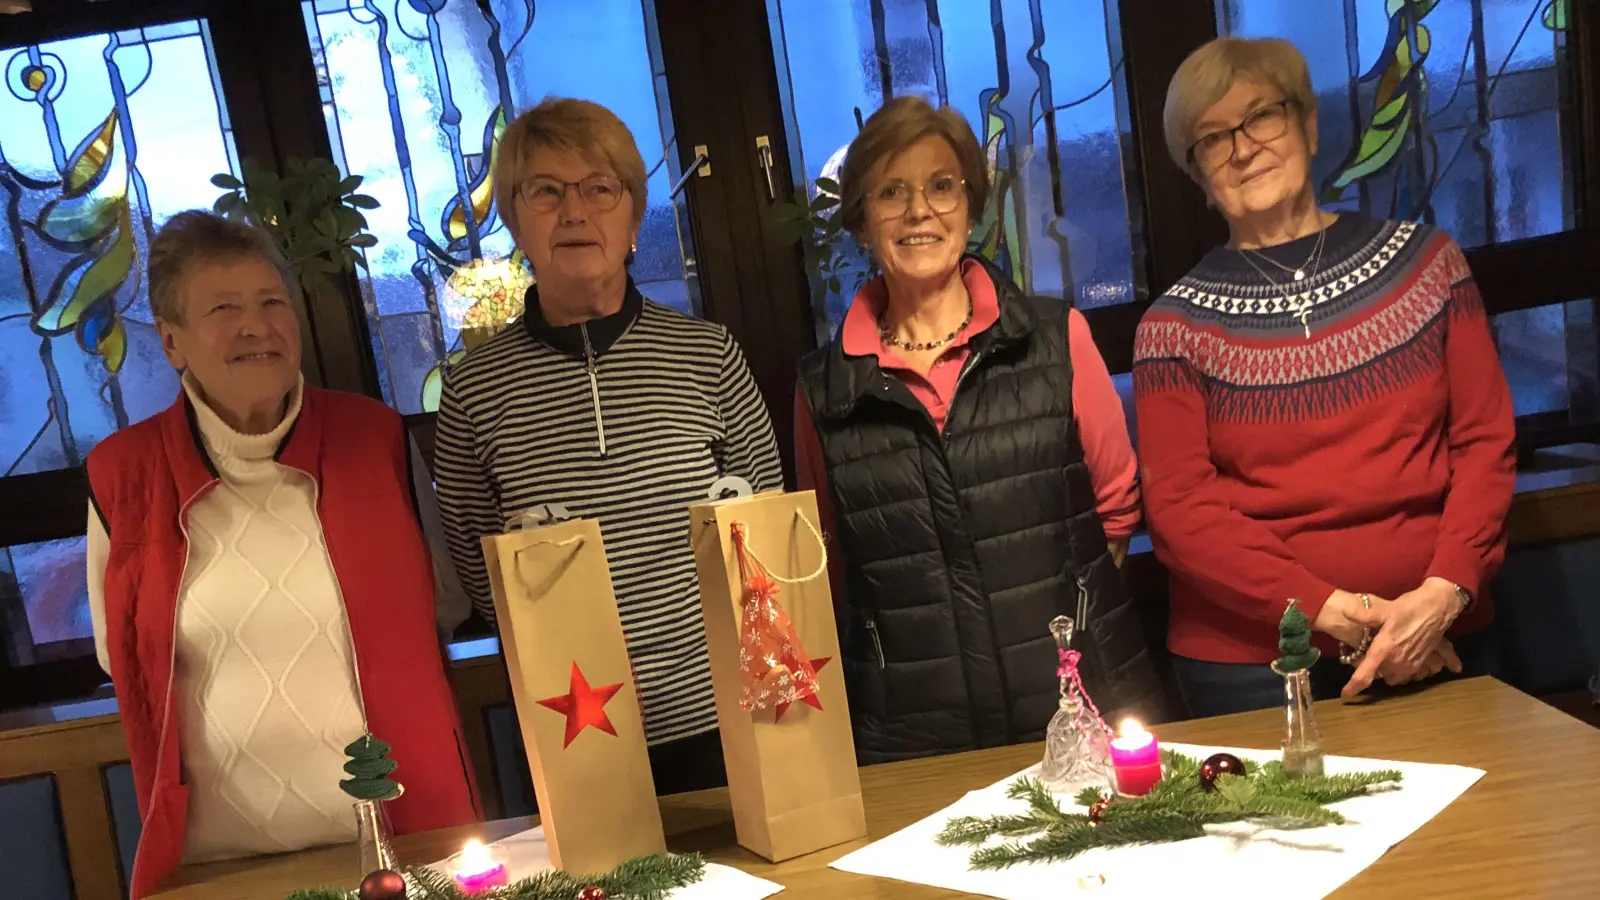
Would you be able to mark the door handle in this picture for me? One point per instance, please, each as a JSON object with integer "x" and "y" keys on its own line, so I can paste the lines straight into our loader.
{"x": 701, "y": 165}
{"x": 764, "y": 156}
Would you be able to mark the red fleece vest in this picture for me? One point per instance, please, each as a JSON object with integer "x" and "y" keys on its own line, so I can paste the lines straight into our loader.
{"x": 144, "y": 479}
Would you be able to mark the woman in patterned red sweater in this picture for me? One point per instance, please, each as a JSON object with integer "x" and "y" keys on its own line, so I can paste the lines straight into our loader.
{"x": 1322, "y": 413}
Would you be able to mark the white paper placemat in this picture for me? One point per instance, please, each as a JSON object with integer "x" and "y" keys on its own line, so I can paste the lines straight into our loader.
{"x": 1237, "y": 861}
{"x": 527, "y": 855}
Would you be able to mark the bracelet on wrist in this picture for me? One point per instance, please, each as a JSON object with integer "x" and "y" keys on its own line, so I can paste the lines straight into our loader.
{"x": 1352, "y": 656}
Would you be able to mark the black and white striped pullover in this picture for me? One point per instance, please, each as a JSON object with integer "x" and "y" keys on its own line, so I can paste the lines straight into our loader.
{"x": 627, "y": 419}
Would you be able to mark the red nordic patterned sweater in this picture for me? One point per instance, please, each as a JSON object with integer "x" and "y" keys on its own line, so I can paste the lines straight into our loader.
{"x": 1367, "y": 456}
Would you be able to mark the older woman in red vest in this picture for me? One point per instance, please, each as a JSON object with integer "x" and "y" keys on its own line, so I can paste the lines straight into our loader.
{"x": 260, "y": 590}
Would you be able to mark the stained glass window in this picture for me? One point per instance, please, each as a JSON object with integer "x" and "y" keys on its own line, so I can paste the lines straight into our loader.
{"x": 1039, "y": 82}
{"x": 1453, "y": 113}
{"x": 1550, "y": 357}
{"x": 43, "y": 599}
{"x": 102, "y": 137}
{"x": 416, "y": 93}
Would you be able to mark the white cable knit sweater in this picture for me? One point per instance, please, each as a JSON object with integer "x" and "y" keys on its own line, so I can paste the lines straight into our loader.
{"x": 268, "y": 696}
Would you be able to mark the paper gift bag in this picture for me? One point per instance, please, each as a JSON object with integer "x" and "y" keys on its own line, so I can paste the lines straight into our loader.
{"x": 786, "y": 738}
{"x": 575, "y": 695}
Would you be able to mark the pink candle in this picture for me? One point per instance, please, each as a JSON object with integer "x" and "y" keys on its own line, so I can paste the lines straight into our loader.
{"x": 478, "y": 868}
{"x": 1136, "y": 758}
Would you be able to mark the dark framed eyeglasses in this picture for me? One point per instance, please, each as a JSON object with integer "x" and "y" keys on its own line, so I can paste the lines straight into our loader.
{"x": 942, "y": 193}
{"x": 600, "y": 193}
{"x": 1263, "y": 125}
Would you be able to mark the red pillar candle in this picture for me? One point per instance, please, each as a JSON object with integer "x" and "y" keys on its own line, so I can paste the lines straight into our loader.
{"x": 1136, "y": 758}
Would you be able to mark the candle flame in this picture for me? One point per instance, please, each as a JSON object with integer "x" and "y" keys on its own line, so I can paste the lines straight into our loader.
{"x": 475, "y": 857}
{"x": 1130, "y": 728}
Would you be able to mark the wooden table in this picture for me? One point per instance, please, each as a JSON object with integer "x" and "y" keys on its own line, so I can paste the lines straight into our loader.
{"x": 1529, "y": 829}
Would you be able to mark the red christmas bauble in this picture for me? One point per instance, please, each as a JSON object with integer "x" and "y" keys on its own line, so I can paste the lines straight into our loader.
{"x": 383, "y": 885}
{"x": 592, "y": 892}
{"x": 1097, "y": 810}
{"x": 1218, "y": 764}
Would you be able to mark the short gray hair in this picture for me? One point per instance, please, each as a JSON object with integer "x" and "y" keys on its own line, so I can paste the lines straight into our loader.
{"x": 1210, "y": 72}
{"x": 580, "y": 127}
{"x": 197, "y": 236}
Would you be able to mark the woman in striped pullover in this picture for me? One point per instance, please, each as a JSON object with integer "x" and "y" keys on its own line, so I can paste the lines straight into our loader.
{"x": 614, "y": 406}
{"x": 1322, "y": 415}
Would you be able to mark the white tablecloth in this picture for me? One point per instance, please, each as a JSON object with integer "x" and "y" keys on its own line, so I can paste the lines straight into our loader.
{"x": 527, "y": 855}
{"x": 1237, "y": 861}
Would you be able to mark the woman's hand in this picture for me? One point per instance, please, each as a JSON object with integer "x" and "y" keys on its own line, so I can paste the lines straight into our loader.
{"x": 1443, "y": 657}
{"x": 1407, "y": 634}
{"x": 1337, "y": 617}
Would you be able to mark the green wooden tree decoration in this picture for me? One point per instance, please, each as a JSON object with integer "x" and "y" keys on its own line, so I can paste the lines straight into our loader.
{"x": 1294, "y": 641}
{"x": 369, "y": 768}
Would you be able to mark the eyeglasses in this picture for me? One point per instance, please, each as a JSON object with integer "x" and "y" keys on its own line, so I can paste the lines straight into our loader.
{"x": 892, "y": 199}
{"x": 1265, "y": 125}
{"x": 600, "y": 193}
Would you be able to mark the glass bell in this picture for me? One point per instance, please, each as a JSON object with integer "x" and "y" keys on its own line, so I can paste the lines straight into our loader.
{"x": 1077, "y": 743}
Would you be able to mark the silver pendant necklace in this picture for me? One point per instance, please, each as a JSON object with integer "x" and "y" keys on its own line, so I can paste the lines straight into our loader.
{"x": 1314, "y": 261}
{"x": 1299, "y": 273}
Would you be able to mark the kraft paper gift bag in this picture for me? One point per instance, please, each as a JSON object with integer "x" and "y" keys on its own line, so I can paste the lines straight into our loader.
{"x": 575, "y": 694}
{"x": 780, "y": 693}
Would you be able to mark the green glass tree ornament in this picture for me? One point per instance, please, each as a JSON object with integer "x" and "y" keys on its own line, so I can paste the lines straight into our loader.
{"x": 369, "y": 767}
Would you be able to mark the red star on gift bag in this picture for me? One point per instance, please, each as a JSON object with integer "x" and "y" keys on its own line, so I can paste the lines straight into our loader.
{"x": 813, "y": 700}
{"x": 584, "y": 707}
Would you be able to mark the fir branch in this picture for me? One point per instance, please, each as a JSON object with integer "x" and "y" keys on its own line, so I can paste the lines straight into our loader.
{"x": 1089, "y": 795}
{"x": 1333, "y": 788}
{"x": 1176, "y": 809}
{"x": 1040, "y": 800}
{"x": 1292, "y": 812}
{"x": 651, "y": 877}
{"x": 974, "y": 830}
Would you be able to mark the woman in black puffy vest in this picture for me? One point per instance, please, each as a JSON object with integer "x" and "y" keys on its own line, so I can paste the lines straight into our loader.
{"x": 972, "y": 465}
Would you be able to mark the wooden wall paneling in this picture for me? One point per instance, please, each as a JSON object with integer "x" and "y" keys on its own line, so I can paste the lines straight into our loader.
{"x": 74, "y": 754}
{"x": 85, "y": 807}
{"x": 480, "y": 684}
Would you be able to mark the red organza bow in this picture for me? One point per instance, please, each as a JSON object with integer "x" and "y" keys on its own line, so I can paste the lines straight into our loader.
{"x": 1069, "y": 669}
{"x": 773, "y": 666}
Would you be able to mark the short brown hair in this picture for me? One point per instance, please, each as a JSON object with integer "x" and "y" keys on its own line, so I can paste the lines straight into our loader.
{"x": 570, "y": 126}
{"x": 197, "y": 236}
{"x": 900, "y": 123}
{"x": 1210, "y": 72}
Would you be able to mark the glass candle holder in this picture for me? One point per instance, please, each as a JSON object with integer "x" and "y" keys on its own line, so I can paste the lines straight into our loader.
{"x": 478, "y": 867}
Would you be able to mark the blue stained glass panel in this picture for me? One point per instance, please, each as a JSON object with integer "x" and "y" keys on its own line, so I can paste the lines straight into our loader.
{"x": 46, "y": 579}
{"x": 412, "y": 101}
{"x": 1059, "y": 218}
{"x": 85, "y": 180}
{"x": 1549, "y": 353}
{"x": 1486, "y": 158}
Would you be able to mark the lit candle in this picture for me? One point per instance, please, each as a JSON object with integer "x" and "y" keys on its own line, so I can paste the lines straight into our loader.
{"x": 478, "y": 868}
{"x": 1136, "y": 758}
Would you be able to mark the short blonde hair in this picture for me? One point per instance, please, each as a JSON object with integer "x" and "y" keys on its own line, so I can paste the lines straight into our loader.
{"x": 889, "y": 132}
{"x": 1211, "y": 71}
{"x": 198, "y": 237}
{"x": 572, "y": 126}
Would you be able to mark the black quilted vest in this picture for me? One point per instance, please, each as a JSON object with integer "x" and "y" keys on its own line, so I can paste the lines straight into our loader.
{"x": 960, "y": 547}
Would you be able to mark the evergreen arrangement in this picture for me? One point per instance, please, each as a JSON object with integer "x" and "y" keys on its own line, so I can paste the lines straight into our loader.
{"x": 1176, "y": 809}
{"x": 652, "y": 877}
